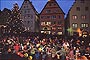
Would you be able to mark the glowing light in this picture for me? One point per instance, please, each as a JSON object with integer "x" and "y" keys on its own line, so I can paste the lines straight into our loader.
{"x": 70, "y": 30}
{"x": 79, "y": 31}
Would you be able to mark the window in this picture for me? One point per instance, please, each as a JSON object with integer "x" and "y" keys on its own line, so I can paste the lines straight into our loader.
{"x": 25, "y": 21}
{"x": 42, "y": 23}
{"x": 74, "y": 17}
{"x": 28, "y": 15}
{"x": 21, "y": 11}
{"x": 48, "y": 11}
{"x": 60, "y": 28}
{"x": 25, "y": 1}
{"x": 53, "y": 17}
{"x": 27, "y": 6}
{"x": 42, "y": 17}
{"x": 55, "y": 11}
{"x": 83, "y": 17}
{"x": 74, "y": 25}
{"x": 28, "y": 28}
{"x": 59, "y": 17}
{"x": 54, "y": 4}
{"x": 28, "y": 11}
{"x": 59, "y": 33}
{"x": 45, "y": 23}
{"x": 24, "y": 6}
{"x": 45, "y": 28}
{"x": 31, "y": 16}
{"x": 82, "y": 1}
{"x": 25, "y": 11}
{"x": 50, "y": 4}
{"x": 53, "y": 28}
{"x": 59, "y": 22}
{"x": 78, "y": 8}
{"x": 48, "y": 16}
{"x": 83, "y": 25}
{"x": 24, "y": 17}
{"x": 28, "y": 22}
{"x": 86, "y": 8}
{"x": 48, "y": 23}
{"x": 54, "y": 22}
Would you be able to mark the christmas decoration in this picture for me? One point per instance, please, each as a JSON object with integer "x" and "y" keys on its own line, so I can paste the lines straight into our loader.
{"x": 14, "y": 23}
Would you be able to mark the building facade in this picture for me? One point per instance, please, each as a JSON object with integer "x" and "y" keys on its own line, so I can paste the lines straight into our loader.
{"x": 52, "y": 18}
{"x": 4, "y": 15}
{"x": 29, "y": 17}
{"x": 78, "y": 18}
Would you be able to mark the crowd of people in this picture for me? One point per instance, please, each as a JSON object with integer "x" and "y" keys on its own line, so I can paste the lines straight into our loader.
{"x": 42, "y": 48}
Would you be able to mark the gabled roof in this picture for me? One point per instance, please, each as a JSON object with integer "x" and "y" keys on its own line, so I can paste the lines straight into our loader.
{"x": 55, "y": 2}
{"x": 5, "y": 9}
{"x": 30, "y": 5}
{"x": 70, "y": 10}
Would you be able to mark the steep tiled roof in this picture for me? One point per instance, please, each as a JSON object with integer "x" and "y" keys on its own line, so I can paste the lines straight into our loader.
{"x": 31, "y": 6}
{"x": 52, "y": 1}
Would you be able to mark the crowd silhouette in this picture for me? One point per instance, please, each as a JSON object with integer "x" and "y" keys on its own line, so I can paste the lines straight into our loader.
{"x": 44, "y": 47}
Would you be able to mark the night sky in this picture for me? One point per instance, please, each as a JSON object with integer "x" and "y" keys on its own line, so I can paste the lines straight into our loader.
{"x": 38, "y": 4}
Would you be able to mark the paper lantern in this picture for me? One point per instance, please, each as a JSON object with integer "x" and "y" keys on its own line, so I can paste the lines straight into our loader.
{"x": 32, "y": 51}
{"x": 30, "y": 57}
{"x": 26, "y": 54}
{"x": 37, "y": 45}
{"x": 40, "y": 49}
{"x": 18, "y": 53}
{"x": 21, "y": 55}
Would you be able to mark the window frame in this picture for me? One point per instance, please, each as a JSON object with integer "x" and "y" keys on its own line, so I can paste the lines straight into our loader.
{"x": 74, "y": 25}
{"x": 77, "y": 8}
{"x": 74, "y": 17}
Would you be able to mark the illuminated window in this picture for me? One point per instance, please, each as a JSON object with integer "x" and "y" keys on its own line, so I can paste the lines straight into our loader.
{"x": 45, "y": 28}
{"x": 83, "y": 17}
{"x": 53, "y": 28}
{"x": 74, "y": 17}
{"x": 25, "y": 28}
{"x": 83, "y": 25}
{"x": 74, "y": 25}
{"x": 60, "y": 28}
{"x": 48, "y": 23}
{"x": 59, "y": 33}
{"x": 28, "y": 28}
{"x": 42, "y": 23}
